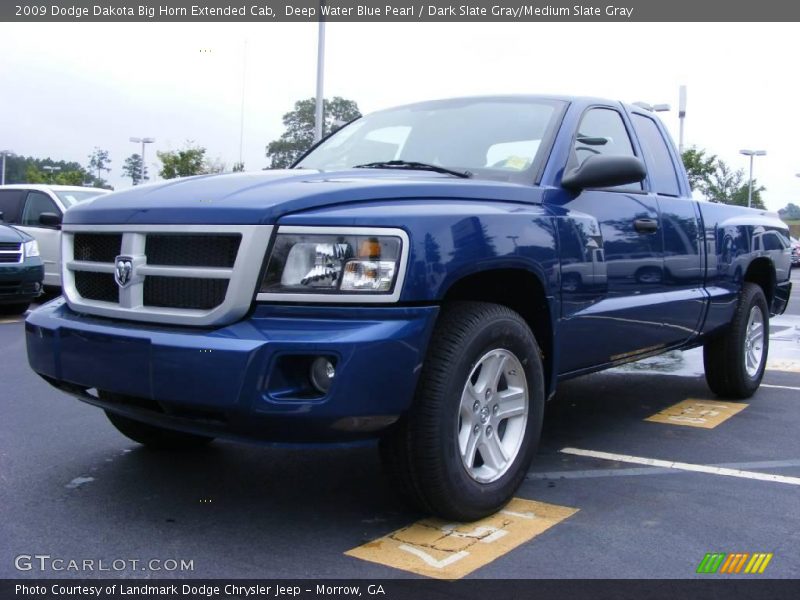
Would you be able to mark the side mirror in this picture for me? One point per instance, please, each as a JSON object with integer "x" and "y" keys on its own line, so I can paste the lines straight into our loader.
{"x": 50, "y": 219}
{"x": 603, "y": 170}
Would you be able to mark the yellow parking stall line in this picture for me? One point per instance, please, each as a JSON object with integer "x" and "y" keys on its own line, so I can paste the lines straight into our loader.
{"x": 443, "y": 550}
{"x": 698, "y": 413}
{"x": 788, "y": 366}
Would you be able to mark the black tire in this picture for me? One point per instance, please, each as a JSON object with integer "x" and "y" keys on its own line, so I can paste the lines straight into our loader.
{"x": 157, "y": 438}
{"x": 421, "y": 453}
{"x": 14, "y": 309}
{"x": 724, "y": 355}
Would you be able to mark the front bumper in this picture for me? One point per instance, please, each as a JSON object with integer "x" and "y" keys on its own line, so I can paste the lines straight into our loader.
{"x": 234, "y": 381}
{"x": 22, "y": 282}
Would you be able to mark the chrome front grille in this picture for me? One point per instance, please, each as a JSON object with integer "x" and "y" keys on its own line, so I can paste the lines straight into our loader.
{"x": 10, "y": 253}
{"x": 189, "y": 275}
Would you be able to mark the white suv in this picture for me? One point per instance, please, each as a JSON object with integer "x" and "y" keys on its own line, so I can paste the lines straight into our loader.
{"x": 38, "y": 211}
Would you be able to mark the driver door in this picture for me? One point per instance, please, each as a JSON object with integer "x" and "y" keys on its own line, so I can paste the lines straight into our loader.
{"x": 616, "y": 314}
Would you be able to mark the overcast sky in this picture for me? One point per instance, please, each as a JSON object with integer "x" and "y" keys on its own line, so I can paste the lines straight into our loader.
{"x": 69, "y": 87}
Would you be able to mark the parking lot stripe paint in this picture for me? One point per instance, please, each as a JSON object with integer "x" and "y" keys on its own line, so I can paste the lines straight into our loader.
{"x": 697, "y": 413}
{"x": 444, "y": 550}
{"x": 634, "y": 471}
{"x": 655, "y": 462}
{"x": 780, "y": 387}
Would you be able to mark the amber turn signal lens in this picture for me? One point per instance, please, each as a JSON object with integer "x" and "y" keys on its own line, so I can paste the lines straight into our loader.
{"x": 370, "y": 248}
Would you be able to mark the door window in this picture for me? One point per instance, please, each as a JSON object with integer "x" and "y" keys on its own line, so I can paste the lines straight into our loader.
{"x": 602, "y": 132}
{"x": 36, "y": 204}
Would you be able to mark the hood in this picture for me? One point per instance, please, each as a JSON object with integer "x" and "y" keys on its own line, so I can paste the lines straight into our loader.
{"x": 10, "y": 234}
{"x": 263, "y": 197}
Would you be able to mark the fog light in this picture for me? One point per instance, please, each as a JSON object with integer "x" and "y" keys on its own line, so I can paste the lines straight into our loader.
{"x": 322, "y": 374}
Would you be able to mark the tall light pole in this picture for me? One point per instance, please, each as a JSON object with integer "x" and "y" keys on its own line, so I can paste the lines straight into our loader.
{"x": 142, "y": 141}
{"x": 50, "y": 170}
{"x": 751, "y": 154}
{"x": 5, "y": 153}
{"x": 241, "y": 107}
{"x": 318, "y": 113}
{"x": 653, "y": 107}
{"x": 681, "y": 116}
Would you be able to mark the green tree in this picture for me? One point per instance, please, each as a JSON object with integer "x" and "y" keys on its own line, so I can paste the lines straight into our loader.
{"x": 32, "y": 175}
{"x": 739, "y": 197}
{"x": 132, "y": 167}
{"x": 791, "y": 212}
{"x": 28, "y": 169}
{"x": 299, "y": 123}
{"x": 183, "y": 163}
{"x": 72, "y": 177}
{"x": 717, "y": 181}
{"x": 98, "y": 162}
{"x": 699, "y": 167}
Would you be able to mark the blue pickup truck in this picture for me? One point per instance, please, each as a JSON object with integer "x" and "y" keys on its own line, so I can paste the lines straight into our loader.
{"x": 425, "y": 276}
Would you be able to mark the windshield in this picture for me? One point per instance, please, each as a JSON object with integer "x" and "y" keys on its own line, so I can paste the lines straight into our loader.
{"x": 491, "y": 138}
{"x": 72, "y": 198}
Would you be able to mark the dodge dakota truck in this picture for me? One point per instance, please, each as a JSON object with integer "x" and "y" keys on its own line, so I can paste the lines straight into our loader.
{"x": 425, "y": 276}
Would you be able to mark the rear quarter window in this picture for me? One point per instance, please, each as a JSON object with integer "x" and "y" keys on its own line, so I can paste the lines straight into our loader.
{"x": 11, "y": 205}
{"x": 660, "y": 168}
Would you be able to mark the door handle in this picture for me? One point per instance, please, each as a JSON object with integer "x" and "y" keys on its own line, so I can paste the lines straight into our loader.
{"x": 645, "y": 225}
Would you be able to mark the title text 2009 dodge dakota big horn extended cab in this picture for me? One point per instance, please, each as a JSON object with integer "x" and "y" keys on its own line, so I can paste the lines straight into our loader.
{"x": 425, "y": 276}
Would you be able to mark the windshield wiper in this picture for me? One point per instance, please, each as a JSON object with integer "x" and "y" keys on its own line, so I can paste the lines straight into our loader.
{"x": 413, "y": 165}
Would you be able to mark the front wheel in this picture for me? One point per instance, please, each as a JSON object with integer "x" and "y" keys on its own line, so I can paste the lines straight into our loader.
{"x": 466, "y": 444}
{"x": 735, "y": 361}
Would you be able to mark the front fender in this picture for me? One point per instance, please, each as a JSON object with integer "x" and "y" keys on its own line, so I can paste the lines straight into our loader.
{"x": 452, "y": 239}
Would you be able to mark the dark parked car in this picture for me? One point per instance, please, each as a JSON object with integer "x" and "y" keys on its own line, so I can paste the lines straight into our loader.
{"x": 21, "y": 270}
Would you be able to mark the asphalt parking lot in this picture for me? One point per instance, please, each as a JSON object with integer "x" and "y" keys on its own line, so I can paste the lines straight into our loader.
{"x": 642, "y": 498}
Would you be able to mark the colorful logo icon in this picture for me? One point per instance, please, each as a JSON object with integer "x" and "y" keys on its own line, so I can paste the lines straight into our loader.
{"x": 732, "y": 563}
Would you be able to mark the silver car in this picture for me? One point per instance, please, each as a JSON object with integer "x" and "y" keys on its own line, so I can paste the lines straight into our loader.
{"x": 38, "y": 210}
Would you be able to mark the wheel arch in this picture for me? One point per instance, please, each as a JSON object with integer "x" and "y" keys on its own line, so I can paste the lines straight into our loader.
{"x": 761, "y": 271}
{"x": 524, "y": 292}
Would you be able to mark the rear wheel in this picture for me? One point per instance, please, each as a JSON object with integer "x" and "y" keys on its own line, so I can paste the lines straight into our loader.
{"x": 465, "y": 446}
{"x": 735, "y": 361}
{"x": 157, "y": 438}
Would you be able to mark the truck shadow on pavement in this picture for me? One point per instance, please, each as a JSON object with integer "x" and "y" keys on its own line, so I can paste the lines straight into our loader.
{"x": 233, "y": 485}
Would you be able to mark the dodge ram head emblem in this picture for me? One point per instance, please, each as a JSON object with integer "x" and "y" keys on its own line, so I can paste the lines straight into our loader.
{"x": 123, "y": 270}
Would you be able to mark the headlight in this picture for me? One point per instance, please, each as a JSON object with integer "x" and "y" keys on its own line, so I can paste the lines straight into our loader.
{"x": 358, "y": 262}
{"x": 31, "y": 248}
